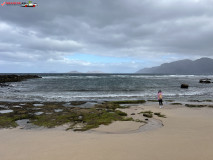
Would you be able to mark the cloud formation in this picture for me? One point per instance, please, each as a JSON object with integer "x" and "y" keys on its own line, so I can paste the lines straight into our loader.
{"x": 151, "y": 31}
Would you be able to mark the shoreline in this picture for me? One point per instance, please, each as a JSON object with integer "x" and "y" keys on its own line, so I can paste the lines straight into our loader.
{"x": 28, "y": 111}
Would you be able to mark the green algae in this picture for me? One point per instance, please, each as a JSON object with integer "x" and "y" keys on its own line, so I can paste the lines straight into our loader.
{"x": 149, "y": 112}
{"x": 195, "y": 106}
{"x": 86, "y": 118}
{"x": 198, "y": 106}
{"x": 159, "y": 114}
{"x": 7, "y": 122}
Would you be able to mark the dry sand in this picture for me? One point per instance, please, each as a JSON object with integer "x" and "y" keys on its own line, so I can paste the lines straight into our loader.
{"x": 187, "y": 134}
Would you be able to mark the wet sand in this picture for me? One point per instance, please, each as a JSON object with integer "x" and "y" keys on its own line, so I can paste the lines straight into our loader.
{"x": 187, "y": 134}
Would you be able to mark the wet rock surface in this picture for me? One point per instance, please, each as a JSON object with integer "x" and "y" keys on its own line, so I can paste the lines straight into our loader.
{"x": 206, "y": 80}
{"x": 184, "y": 86}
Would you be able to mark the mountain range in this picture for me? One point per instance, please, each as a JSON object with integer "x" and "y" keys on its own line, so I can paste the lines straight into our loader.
{"x": 199, "y": 66}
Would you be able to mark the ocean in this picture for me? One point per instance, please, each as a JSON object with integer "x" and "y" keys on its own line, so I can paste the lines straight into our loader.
{"x": 107, "y": 87}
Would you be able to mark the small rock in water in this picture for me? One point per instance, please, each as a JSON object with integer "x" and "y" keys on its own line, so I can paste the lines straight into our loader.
{"x": 184, "y": 86}
{"x": 206, "y": 80}
{"x": 6, "y": 111}
{"x": 4, "y": 85}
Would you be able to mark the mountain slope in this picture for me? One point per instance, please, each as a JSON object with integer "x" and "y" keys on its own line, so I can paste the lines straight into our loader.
{"x": 199, "y": 66}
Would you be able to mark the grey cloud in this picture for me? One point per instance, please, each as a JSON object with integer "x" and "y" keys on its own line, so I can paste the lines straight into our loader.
{"x": 130, "y": 28}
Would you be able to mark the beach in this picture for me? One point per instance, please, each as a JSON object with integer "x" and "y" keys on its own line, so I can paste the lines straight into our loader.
{"x": 186, "y": 134}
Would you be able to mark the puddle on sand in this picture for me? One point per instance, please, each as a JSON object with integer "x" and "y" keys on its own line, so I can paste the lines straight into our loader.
{"x": 38, "y": 113}
{"x": 25, "y": 124}
{"x": 17, "y": 106}
{"x": 38, "y": 105}
{"x": 3, "y": 106}
{"x": 58, "y": 110}
{"x": 6, "y": 111}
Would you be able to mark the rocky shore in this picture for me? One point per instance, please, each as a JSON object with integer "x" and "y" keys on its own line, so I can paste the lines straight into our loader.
{"x": 16, "y": 78}
{"x": 52, "y": 114}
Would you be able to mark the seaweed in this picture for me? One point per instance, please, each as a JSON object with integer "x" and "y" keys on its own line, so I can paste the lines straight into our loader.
{"x": 148, "y": 115}
{"x": 129, "y": 102}
{"x": 77, "y": 118}
{"x": 159, "y": 114}
{"x": 176, "y": 103}
{"x": 195, "y": 106}
{"x": 149, "y": 112}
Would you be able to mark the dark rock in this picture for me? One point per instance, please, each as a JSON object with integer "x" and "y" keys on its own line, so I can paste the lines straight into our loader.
{"x": 146, "y": 119}
{"x": 76, "y": 103}
{"x": 133, "y": 114}
{"x": 184, "y": 86}
{"x": 195, "y": 106}
{"x": 16, "y": 78}
{"x": 4, "y": 85}
{"x": 205, "y": 80}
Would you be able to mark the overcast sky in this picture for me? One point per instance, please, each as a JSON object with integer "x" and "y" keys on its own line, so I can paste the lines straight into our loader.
{"x": 119, "y": 36}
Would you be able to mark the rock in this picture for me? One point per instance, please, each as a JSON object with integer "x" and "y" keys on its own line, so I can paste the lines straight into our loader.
{"x": 133, "y": 114}
{"x": 16, "y": 78}
{"x": 184, "y": 86}
{"x": 4, "y": 85}
{"x": 205, "y": 80}
{"x": 76, "y": 103}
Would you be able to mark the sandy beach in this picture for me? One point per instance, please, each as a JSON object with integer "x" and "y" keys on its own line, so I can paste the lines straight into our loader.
{"x": 186, "y": 134}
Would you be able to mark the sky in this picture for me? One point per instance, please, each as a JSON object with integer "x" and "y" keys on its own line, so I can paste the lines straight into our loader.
{"x": 112, "y": 36}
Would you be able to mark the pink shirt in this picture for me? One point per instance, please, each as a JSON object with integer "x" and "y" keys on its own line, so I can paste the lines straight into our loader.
{"x": 160, "y": 96}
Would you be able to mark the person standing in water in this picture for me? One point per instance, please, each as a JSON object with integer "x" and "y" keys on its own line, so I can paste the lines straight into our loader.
{"x": 160, "y": 98}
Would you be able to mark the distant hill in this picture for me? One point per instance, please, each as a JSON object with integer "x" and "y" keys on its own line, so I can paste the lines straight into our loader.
{"x": 86, "y": 72}
{"x": 199, "y": 66}
{"x": 95, "y": 72}
{"x": 74, "y": 72}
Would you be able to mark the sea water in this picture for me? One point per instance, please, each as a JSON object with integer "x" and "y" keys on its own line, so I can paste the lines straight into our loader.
{"x": 104, "y": 87}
